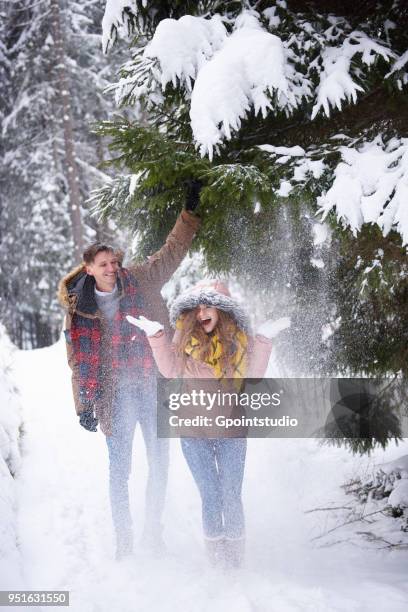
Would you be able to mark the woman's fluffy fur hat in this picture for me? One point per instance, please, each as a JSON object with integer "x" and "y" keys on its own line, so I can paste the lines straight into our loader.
{"x": 211, "y": 293}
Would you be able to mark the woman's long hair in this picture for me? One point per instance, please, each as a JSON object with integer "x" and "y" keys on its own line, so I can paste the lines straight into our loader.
{"x": 225, "y": 330}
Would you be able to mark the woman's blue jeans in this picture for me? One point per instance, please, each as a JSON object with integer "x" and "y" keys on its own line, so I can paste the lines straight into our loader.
{"x": 136, "y": 403}
{"x": 217, "y": 466}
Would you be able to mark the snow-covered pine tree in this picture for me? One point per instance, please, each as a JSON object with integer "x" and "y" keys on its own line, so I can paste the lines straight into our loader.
{"x": 281, "y": 109}
{"x": 42, "y": 146}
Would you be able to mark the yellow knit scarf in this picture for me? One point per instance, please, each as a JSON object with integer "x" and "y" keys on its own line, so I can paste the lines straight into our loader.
{"x": 238, "y": 361}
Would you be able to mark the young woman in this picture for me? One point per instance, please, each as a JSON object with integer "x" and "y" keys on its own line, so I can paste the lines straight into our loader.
{"x": 212, "y": 341}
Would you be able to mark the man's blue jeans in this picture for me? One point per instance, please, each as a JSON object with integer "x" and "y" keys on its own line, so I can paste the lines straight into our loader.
{"x": 217, "y": 466}
{"x": 136, "y": 403}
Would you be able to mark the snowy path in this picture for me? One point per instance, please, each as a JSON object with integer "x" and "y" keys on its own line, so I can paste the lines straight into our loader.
{"x": 66, "y": 537}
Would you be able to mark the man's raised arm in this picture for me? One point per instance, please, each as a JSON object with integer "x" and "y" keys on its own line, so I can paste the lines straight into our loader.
{"x": 161, "y": 265}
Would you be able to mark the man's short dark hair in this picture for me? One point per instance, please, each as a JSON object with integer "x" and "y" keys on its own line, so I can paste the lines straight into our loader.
{"x": 97, "y": 247}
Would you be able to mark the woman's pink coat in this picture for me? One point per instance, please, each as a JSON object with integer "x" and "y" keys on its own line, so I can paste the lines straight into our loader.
{"x": 173, "y": 366}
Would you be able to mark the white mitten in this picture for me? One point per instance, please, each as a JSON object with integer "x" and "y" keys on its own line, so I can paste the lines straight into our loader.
{"x": 149, "y": 327}
{"x": 270, "y": 329}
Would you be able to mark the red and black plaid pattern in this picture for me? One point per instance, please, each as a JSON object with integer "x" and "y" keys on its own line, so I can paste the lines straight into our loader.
{"x": 130, "y": 348}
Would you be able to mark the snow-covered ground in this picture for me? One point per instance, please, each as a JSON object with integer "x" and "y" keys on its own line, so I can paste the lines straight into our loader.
{"x": 11, "y": 426}
{"x": 66, "y": 541}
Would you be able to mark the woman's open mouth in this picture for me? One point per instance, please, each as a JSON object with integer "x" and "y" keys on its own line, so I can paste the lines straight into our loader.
{"x": 206, "y": 322}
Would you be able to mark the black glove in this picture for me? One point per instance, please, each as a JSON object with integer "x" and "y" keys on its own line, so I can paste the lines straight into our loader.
{"x": 88, "y": 420}
{"x": 193, "y": 194}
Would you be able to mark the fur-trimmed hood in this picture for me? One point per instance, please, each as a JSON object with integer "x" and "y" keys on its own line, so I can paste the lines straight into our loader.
{"x": 212, "y": 293}
{"x": 68, "y": 287}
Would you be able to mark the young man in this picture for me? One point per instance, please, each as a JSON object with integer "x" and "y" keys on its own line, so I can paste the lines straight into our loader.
{"x": 113, "y": 370}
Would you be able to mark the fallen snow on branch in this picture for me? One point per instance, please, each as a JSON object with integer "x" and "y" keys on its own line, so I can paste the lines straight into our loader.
{"x": 176, "y": 53}
{"x": 115, "y": 19}
{"x": 249, "y": 71}
{"x": 393, "y": 477}
{"x": 182, "y": 47}
{"x": 301, "y": 165}
{"x": 371, "y": 186}
{"x": 336, "y": 83}
{"x": 398, "y": 68}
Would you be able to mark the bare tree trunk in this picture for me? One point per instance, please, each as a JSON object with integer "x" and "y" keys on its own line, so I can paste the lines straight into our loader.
{"x": 103, "y": 232}
{"x": 71, "y": 166}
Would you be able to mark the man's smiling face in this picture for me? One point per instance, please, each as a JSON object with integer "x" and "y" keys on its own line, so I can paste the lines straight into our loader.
{"x": 104, "y": 269}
